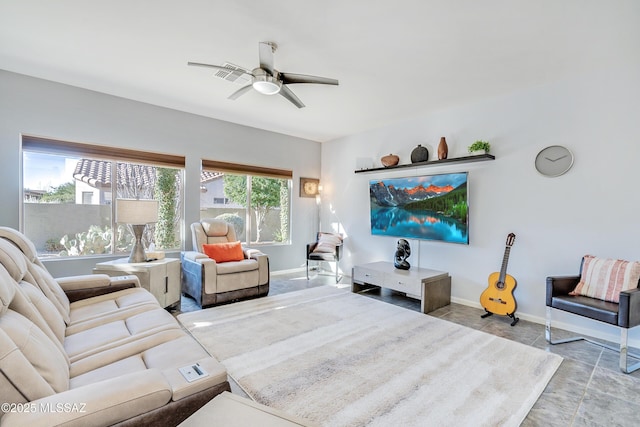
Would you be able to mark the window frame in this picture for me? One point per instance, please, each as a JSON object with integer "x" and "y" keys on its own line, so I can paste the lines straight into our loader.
{"x": 113, "y": 155}
{"x": 258, "y": 171}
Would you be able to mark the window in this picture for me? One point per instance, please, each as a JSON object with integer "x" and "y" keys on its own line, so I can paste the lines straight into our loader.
{"x": 70, "y": 189}
{"x": 255, "y": 200}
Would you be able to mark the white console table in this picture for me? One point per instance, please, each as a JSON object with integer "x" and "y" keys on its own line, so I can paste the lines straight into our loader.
{"x": 431, "y": 287}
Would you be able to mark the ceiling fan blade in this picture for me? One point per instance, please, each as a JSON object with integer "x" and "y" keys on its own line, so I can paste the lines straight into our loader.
{"x": 218, "y": 67}
{"x": 289, "y": 78}
{"x": 240, "y": 92}
{"x": 265, "y": 52}
{"x": 287, "y": 93}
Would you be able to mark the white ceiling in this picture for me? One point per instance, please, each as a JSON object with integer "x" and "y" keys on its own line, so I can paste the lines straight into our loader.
{"x": 395, "y": 59}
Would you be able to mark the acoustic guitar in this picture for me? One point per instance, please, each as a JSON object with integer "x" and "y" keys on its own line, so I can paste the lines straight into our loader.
{"x": 498, "y": 297}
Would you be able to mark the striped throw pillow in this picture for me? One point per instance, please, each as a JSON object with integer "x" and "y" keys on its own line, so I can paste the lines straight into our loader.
{"x": 327, "y": 242}
{"x": 605, "y": 278}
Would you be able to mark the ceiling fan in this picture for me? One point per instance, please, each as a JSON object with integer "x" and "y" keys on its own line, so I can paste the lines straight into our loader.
{"x": 269, "y": 81}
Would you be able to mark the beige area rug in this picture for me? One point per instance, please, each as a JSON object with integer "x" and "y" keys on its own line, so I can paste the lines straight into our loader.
{"x": 342, "y": 359}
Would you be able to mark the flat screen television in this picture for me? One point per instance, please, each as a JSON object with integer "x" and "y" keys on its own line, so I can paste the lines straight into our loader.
{"x": 429, "y": 207}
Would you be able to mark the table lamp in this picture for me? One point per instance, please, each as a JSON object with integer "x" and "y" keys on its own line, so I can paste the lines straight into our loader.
{"x": 137, "y": 213}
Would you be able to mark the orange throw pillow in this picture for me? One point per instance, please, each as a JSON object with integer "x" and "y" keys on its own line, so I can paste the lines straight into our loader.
{"x": 224, "y": 252}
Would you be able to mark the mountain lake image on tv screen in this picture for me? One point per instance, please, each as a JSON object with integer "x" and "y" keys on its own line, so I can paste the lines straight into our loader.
{"x": 430, "y": 207}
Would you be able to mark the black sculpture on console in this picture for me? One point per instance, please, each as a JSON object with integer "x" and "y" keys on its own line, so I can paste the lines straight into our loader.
{"x": 402, "y": 253}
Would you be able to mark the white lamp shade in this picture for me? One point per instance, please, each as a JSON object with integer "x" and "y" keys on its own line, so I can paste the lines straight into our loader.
{"x": 137, "y": 212}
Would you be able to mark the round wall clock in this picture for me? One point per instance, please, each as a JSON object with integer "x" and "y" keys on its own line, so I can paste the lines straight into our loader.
{"x": 554, "y": 160}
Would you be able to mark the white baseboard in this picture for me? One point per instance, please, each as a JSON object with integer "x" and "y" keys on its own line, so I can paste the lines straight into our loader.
{"x": 555, "y": 324}
{"x": 289, "y": 271}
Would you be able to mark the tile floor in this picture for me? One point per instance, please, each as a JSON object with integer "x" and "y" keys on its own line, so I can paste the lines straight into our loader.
{"x": 587, "y": 390}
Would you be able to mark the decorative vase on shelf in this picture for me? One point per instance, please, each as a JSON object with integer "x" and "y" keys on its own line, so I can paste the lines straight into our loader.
{"x": 390, "y": 160}
{"x": 443, "y": 149}
{"x": 419, "y": 154}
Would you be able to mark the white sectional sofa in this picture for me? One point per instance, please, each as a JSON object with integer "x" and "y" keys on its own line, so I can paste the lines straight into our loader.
{"x": 112, "y": 358}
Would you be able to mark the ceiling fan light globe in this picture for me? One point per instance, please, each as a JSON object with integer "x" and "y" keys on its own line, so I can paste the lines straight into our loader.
{"x": 269, "y": 86}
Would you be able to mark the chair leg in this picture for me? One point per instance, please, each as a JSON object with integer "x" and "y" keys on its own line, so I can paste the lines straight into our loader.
{"x": 338, "y": 275}
{"x": 319, "y": 267}
{"x": 547, "y": 332}
{"x": 623, "y": 350}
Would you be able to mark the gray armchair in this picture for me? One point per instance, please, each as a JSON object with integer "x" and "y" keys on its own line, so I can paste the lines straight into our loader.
{"x": 210, "y": 282}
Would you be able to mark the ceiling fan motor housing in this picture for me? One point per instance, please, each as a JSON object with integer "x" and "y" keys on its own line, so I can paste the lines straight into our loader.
{"x": 265, "y": 83}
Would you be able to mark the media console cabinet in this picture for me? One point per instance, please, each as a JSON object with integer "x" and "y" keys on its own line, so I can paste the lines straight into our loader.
{"x": 431, "y": 287}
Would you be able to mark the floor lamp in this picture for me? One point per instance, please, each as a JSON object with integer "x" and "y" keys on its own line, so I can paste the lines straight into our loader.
{"x": 137, "y": 213}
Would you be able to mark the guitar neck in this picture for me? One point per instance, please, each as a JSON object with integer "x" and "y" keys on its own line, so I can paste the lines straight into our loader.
{"x": 505, "y": 261}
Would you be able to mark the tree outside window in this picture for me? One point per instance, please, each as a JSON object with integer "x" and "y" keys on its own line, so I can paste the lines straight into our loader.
{"x": 230, "y": 196}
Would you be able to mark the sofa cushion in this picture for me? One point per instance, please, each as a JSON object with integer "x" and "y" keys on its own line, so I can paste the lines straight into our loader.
{"x": 210, "y": 230}
{"x": 44, "y": 308}
{"x": 214, "y": 228}
{"x": 180, "y": 350}
{"x": 13, "y": 260}
{"x": 20, "y": 268}
{"x": 19, "y": 379}
{"x": 47, "y": 360}
{"x": 124, "y": 366}
{"x": 118, "y": 333}
{"x": 25, "y": 245}
{"x": 114, "y": 354}
{"x": 37, "y": 273}
{"x": 224, "y": 252}
{"x": 593, "y": 308}
{"x": 47, "y": 283}
{"x": 7, "y": 290}
{"x": 23, "y": 304}
{"x": 233, "y": 267}
{"x": 116, "y": 305}
{"x": 605, "y": 278}
{"x": 322, "y": 256}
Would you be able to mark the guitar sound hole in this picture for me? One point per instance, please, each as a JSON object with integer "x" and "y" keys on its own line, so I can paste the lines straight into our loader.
{"x": 500, "y": 285}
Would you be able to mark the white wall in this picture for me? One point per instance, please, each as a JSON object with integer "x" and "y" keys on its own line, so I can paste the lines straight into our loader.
{"x": 42, "y": 108}
{"x": 591, "y": 209}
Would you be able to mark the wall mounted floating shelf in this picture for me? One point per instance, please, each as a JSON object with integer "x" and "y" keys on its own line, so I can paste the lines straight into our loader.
{"x": 465, "y": 159}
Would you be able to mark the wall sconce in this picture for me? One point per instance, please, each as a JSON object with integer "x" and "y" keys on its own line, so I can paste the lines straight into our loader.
{"x": 309, "y": 187}
{"x": 137, "y": 213}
